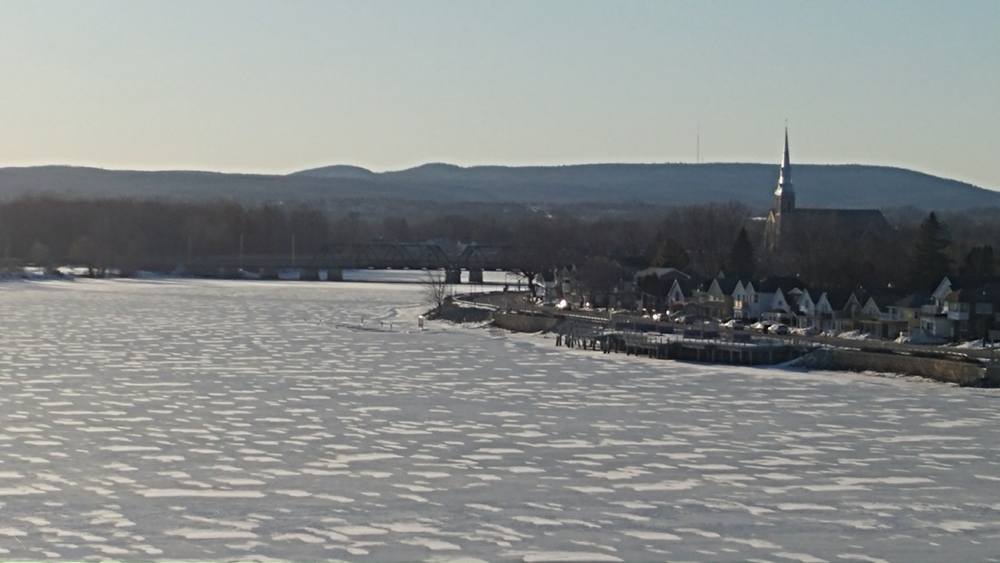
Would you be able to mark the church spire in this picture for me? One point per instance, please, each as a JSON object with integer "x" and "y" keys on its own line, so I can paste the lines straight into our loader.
{"x": 786, "y": 165}
{"x": 784, "y": 196}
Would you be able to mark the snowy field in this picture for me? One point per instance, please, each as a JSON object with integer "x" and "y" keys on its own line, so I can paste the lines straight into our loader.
{"x": 205, "y": 420}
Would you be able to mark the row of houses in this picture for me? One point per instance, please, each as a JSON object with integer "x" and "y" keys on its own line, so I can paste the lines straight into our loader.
{"x": 957, "y": 309}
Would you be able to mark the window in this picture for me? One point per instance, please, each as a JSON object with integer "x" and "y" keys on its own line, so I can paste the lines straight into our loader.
{"x": 984, "y": 308}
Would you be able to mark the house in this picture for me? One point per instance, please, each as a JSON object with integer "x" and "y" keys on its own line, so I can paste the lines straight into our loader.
{"x": 664, "y": 289}
{"x": 846, "y": 308}
{"x": 717, "y": 298}
{"x": 959, "y": 308}
{"x": 823, "y": 313}
{"x": 805, "y": 307}
{"x": 775, "y": 299}
{"x": 908, "y": 310}
{"x": 547, "y": 286}
{"x": 810, "y": 309}
{"x": 569, "y": 285}
{"x": 779, "y": 308}
{"x": 746, "y": 305}
{"x": 876, "y": 318}
{"x": 934, "y": 322}
{"x": 973, "y": 312}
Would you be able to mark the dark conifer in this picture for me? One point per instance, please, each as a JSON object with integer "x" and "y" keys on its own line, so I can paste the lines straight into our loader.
{"x": 980, "y": 263}
{"x": 929, "y": 260}
{"x": 741, "y": 257}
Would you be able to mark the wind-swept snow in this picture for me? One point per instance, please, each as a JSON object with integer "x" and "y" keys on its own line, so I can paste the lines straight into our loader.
{"x": 201, "y": 420}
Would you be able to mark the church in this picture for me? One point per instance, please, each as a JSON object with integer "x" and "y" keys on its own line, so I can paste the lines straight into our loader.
{"x": 785, "y": 217}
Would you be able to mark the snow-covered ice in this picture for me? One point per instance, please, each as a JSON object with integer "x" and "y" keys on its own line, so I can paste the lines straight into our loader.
{"x": 208, "y": 420}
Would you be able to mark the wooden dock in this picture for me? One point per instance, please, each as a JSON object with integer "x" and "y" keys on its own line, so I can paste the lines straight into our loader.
{"x": 686, "y": 347}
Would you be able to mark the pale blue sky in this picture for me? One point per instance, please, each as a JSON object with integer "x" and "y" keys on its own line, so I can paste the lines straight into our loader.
{"x": 249, "y": 86}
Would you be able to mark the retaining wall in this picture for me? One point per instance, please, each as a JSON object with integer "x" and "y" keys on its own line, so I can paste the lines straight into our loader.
{"x": 966, "y": 374}
{"x": 523, "y": 323}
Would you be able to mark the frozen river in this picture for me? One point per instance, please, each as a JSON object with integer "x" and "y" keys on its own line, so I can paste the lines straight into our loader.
{"x": 201, "y": 420}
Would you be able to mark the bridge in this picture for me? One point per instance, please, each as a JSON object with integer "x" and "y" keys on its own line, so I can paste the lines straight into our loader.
{"x": 335, "y": 258}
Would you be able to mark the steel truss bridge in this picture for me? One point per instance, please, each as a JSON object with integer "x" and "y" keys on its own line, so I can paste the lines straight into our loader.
{"x": 334, "y": 258}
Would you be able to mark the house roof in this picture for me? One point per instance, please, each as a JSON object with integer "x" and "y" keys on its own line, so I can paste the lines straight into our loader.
{"x": 882, "y": 297}
{"x": 913, "y": 300}
{"x": 661, "y": 286}
{"x": 661, "y": 272}
{"x": 960, "y": 281}
{"x": 988, "y": 293}
{"x": 785, "y": 283}
{"x": 838, "y": 297}
{"x": 728, "y": 285}
{"x": 632, "y": 262}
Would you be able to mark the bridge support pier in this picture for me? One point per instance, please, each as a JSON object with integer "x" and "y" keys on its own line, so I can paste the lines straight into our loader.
{"x": 334, "y": 274}
{"x": 453, "y": 276}
{"x": 309, "y": 274}
{"x": 475, "y": 276}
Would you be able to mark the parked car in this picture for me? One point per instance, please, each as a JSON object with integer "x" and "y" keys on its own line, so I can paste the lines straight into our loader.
{"x": 779, "y": 329}
{"x": 762, "y": 326}
{"x": 734, "y": 324}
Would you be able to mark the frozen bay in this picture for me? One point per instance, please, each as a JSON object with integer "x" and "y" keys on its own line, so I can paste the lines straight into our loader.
{"x": 206, "y": 420}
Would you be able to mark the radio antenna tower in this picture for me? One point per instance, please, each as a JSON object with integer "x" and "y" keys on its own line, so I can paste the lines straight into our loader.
{"x": 697, "y": 150}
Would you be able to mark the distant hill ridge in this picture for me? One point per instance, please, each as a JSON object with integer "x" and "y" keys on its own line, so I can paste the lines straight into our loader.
{"x": 847, "y": 186}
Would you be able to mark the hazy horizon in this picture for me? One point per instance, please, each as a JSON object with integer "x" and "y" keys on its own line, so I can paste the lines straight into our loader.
{"x": 272, "y": 88}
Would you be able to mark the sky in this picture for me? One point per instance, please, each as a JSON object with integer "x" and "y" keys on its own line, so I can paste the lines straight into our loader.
{"x": 275, "y": 87}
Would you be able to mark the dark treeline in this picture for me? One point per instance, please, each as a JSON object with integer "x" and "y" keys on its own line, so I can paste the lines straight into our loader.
{"x": 700, "y": 239}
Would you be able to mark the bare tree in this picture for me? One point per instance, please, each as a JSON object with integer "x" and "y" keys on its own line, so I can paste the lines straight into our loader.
{"x": 436, "y": 290}
{"x": 600, "y": 277}
{"x": 706, "y": 232}
{"x": 85, "y": 250}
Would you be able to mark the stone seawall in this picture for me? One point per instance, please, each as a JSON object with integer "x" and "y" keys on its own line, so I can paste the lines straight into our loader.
{"x": 523, "y": 323}
{"x": 966, "y": 374}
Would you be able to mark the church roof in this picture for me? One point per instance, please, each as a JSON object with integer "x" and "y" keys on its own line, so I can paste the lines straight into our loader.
{"x": 854, "y": 219}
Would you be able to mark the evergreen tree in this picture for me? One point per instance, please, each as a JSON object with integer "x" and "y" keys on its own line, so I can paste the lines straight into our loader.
{"x": 980, "y": 263}
{"x": 929, "y": 260}
{"x": 741, "y": 261}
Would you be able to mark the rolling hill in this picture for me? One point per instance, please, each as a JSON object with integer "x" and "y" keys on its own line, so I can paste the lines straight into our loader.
{"x": 836, "y": 186}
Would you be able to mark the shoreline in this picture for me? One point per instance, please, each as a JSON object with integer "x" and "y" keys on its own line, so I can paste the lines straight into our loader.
{"x": 653, "y": 340}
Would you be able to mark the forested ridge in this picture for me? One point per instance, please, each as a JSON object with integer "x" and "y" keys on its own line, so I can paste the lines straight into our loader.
{"x": 841, "y": 186}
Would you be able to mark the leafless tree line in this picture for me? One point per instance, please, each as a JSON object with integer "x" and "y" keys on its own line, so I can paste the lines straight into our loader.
{"x": 698, "y": 239}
